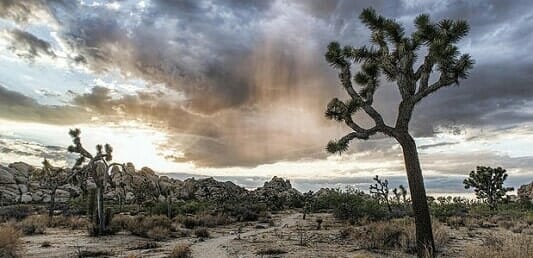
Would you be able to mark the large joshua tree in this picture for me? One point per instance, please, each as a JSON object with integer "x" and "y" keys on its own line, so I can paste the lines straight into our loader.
{"x": 393, "y": 56}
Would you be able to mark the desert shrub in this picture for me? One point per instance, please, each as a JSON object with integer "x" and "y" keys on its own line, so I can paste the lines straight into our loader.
{"x": 271, "y": 251}
{"x": 244, "y": 213}
{"x": 9, "y": 241}
{"x": 189, "y": 222}
{"x": 345, "y": 232}
{"x": 35, "y": 224}
{"x": 181, "y": 250}
{"x": 155, "y": 227}
{"x": 353, "y": 204}
{"x": 121, "y": 222}
{"x": 201, "y": 232}
{"x": 76, "y": 223}
{"x": 399, "y": 234}
{"x": 17, "y": 212}
{"x": 193, "y": 207}
{"x": 146, "y": 245}
{"x": 205, "y": 220}
{"x": 447, "y": 209}
{"x": 455, "y": 222}
{"x": 158, "y": 233}
{"x": 511, "y": 246}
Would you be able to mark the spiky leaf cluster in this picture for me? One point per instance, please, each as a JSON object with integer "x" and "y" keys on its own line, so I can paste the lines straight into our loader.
{"x": 339, "y": 146}
{"x": 392, "y": 55}
{"x": 488, "y": 184}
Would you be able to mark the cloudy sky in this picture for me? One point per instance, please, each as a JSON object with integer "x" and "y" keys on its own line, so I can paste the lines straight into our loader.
{"x": 237, "y": 89}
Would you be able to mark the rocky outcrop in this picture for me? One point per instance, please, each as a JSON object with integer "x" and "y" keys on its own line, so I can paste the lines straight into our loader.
{"x": 525, "y": 192}
{"x": 18, "y": 186}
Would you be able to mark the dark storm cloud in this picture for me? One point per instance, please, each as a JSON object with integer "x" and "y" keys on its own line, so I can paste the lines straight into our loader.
{"x": 255, "y": 82}
{"x": 16, "y": 106}
{"x": 27, "y": 45}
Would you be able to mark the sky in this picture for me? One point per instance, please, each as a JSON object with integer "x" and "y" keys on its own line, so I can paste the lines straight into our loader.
{"x": 237, "y": 89}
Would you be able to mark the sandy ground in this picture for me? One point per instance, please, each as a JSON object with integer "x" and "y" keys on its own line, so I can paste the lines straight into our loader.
{"x": 216, "y": 247}
{"x": 291, "y": 234}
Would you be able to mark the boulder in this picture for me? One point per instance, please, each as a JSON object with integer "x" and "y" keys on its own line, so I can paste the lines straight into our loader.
{"x": 22, "y": 168}
{"x": 23, "y": 188}
{"x": 26, "y": 198}
{"x": 6, "y": 176}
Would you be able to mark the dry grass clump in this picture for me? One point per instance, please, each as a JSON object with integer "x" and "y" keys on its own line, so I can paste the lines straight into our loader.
{"x": 9, "y": 241}
{"x": 399, "y": 234}
{"x": 495, "y": 247}
{"x": 271, "y": 251}
{"x": 35, "y": 224}
{"x": 181, "y": 250}
{"x": 158, "y": 233}
{"x": 155, "y": 227}
{"x": 201, "y": 232}
{"x": 70, "y": 222}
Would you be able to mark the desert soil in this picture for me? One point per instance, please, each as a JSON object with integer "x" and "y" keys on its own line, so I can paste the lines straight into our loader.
{"x": 290, "y": 234}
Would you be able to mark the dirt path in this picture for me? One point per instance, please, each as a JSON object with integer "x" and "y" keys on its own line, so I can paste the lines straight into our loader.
{"x": 214, "y": 247}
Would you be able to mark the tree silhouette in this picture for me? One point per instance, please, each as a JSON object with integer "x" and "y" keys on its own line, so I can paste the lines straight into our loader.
{"x": 381, "y": 190}
{"x": 393, "y": 55}
{"x": 488, "y": 184}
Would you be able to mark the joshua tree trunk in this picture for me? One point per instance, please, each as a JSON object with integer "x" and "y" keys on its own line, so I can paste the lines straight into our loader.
{"x": 100, "y": 207}
{"x": 169, "y": 206}
{"x": 52, "y": 205}
{"x": 424, "y": 236}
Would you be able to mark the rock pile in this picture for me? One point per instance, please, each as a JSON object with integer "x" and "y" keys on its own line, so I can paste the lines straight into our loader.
{"x": 18, "y": 186}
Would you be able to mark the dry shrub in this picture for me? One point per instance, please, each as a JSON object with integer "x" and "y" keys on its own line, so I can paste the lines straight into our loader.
{"x": 440, "y": 235}
{"x": 158, "y": 233}
{"x": 76, "y": 223}
{"x": 507, "y": 224}
{"x": 205, "y": 220}
{"x": 9, "y": 241}
{"x": 181, "y": 250}
{"x": 70, "y": 222}
{"x": 393, "y": 234}
{"x": 512, "y": 246}
{"x": 455, "y": 222}
{"x": 399, "y": 234}
{"x": 155, "y": 227}
{"x": 121, "y": 222}
{"x": 35, "y": 224}
{"x": 473, "y": 223}
{"x": 201, "y": 232}
{"x": 271, "y": 251}
{"x": 346, "y": 232}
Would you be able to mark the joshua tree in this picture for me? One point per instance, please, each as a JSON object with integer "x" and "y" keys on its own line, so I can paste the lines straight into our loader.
{"x": 381, "y": 190}
{"x": 98, "y": 168}
{"x": 393, "y": 57}
{"x": 50, "y": 178}
{"x": 488, "y": 184}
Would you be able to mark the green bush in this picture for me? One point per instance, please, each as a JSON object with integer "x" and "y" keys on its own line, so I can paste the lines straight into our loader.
{"x": 351, "y": 204}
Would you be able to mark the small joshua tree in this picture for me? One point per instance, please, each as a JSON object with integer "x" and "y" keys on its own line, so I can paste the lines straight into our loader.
{"x": 488, "y": 184}
{"x": 393, "y": 56}
{"x": 50, "y": 178}
{"x": 381, "y": 190}
{"x": 98, "y": 168}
